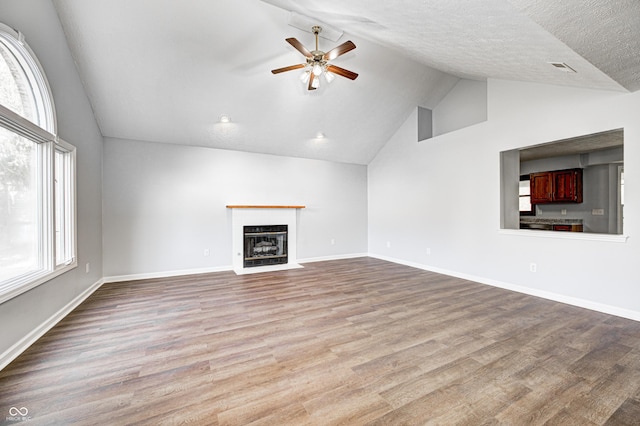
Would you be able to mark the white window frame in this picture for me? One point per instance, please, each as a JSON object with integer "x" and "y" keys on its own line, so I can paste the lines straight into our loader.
{"x": 65, "y": 205}
{"x": 43, "y": 134}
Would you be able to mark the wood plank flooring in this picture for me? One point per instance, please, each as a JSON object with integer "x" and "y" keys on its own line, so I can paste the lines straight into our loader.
{"x": 358, "y": 341}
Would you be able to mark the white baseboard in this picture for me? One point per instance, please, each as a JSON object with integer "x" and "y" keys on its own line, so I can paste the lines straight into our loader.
{"x": 166, "y": 274}
{"x": 574, "y": 301}
{"x": 336, "y": 257}
{"x": 21, "y": 345}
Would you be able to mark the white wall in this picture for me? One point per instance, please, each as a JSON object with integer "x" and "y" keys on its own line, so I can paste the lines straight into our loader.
{"x": 24, "y": 317}
{"x": 165, "y": 204}
{"x": 464, "y": 105}
{"x": 443, "y": 194}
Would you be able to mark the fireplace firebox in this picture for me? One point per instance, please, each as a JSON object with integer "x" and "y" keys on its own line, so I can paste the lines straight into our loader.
{"x": 265, "y": 245}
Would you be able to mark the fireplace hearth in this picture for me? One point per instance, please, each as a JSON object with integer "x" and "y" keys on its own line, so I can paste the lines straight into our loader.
{"x": 265, "y": 245}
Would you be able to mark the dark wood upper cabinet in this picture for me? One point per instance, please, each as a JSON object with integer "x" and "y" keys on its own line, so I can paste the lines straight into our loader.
{"x": 541, "y": 187}
{"x": 560, "y": 186}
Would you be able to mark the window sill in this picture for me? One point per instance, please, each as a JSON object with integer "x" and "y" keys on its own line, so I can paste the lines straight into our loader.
{"x": 34, "y": 281}
{"x": 612, "y": 238}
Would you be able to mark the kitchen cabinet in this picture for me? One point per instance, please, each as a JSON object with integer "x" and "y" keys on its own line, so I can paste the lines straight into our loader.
{"x": 568, "y": 228}
{"x": 559, "y": 186}
{"x": 551, "y": 224}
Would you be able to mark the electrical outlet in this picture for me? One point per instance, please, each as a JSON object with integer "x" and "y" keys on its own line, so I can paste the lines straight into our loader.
{"x": 388, "y": 244}
{"x": 533, "y": 267}
{"x": 597, "y": 212}
{"x": 333, "y": 242}
{"x": 87, "y": 267}
{"x": 563, "y": 212}
{"x": 428, "y": 252}
{"x": 207, "y": 252}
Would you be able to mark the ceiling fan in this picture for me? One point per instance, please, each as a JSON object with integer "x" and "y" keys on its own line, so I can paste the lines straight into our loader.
{"x": 318, "y": 62}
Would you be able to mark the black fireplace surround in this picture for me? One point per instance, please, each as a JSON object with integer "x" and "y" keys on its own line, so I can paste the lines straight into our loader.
{"x": 265, "y": 245}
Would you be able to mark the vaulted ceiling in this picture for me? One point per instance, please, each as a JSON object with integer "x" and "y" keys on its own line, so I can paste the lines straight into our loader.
{"x": 166, "y": 70}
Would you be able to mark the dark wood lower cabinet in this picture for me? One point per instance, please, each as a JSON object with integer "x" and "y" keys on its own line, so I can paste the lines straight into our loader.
{"x": 568, "y": 228}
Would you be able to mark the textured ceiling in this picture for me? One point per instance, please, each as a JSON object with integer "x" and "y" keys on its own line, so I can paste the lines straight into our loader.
{"x": 606, "y": 33}
{"x": 477, "y": 39}
{"x": 165, "y": 70}
{"x": 574, "y": 146}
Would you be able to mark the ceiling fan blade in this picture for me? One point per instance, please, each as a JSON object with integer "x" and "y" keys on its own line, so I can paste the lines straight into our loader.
{"x": 299, "y": 47}
{"x": 289, "y": 68}
{"x": 345, "y": 47}
{"x": 312, "y": 77}
{"x": 342, "y": 72}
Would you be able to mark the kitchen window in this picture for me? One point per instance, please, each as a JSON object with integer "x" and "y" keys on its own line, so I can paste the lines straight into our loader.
{"x": 524, "y": 194}
{"x": 37, "y": 175}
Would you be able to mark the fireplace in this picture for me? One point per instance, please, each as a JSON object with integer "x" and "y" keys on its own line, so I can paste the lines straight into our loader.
{"x": 265, "y": 245}
{"x": 260, "y": 216}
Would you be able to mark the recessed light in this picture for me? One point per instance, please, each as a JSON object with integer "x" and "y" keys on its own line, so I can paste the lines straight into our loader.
{"x": 320, "y": 135}
{"x": 224, "y": 119}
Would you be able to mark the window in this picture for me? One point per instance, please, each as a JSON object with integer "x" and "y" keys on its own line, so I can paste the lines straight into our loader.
{"x": 524, "y": 193}
{"x": 621, "y": 170}
{"x": 37, "y": 175}
{"x": 64, "y": 205}
{"x": 621, "y": 198}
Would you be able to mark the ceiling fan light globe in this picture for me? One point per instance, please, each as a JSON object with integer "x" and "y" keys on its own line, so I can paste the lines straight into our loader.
{"x": 304, "y": 77}
{"x": 329, "y": 76}
{"x": 315, "y": 83}
{"x": 317, "y": 69}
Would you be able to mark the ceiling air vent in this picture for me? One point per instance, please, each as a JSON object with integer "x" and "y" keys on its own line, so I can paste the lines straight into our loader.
{"x": 562, "y": 67}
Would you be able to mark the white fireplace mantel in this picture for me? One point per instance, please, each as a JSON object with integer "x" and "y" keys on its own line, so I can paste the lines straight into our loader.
{"x": 250, "y": 206}
{"x": 258, "y": 215}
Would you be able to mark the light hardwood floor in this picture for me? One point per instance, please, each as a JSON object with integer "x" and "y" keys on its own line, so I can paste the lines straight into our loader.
{"x": 358, "y": 341}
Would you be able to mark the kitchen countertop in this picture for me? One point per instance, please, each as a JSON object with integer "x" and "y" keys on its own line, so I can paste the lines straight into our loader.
{"x": 551, "y": 221}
